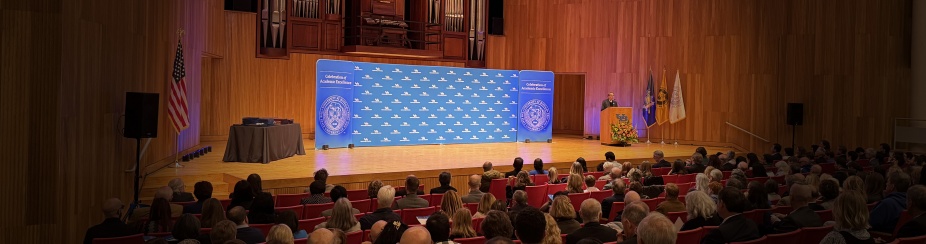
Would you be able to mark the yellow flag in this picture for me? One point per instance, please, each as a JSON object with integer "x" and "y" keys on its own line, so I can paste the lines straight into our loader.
{"x": 662, "y": 101}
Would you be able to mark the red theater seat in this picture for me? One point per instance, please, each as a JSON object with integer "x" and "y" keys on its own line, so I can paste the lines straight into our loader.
{"x": 536, "y": 195}
{"x": 287, "y": 200}
{"x": 132, "y": 239}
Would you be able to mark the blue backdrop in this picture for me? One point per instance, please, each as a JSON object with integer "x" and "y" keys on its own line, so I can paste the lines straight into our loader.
{"x": 391, "y": 104}
{"x": 332, "y": 103}
{"x": 535, "y": 105}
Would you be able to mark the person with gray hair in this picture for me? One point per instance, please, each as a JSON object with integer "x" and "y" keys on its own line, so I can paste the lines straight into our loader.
{"x": 916, "y": 206}
{"x": 656, "y": 229}
{"x": 112, "y": 226}
{"x": 634, "y": 212}
{"x": 801, "y": 216}
{"x": 716, "y": 175}
{"x": 701, "y": 183}
{"x": 702, "y": 211}
{"x": 179, "y": 195}
{"x": 884, "y": 217}
{"x": 660, "y": 159}
{"x": 608, "y": 167}
{"x": 385, "y": 198}
{"x": 783, "y": 168}
{"x": 590, "y": 211}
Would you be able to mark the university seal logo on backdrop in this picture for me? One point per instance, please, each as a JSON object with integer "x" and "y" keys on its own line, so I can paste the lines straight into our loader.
{"x": 535, "y": 115}
{"x": 335, "y": 115}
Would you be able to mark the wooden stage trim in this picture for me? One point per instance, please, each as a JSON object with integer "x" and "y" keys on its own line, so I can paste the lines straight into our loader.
{"x": 355, "y": 168}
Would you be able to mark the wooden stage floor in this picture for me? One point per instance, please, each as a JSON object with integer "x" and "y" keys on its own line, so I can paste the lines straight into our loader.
{"x": 353, "y": 168}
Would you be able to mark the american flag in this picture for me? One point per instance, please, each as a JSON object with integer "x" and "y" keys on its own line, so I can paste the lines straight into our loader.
{"x": 177, "y": 109}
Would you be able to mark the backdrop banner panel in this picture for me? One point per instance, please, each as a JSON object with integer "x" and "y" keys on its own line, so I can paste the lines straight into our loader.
{"x": 333, "y": 95}
{"x": 410, "y": 105}
{"x": 535, "y": 105}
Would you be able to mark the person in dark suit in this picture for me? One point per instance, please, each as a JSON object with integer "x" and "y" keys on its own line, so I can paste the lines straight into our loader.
{"x": 590, "y": 211}
{"x": 634, "y": 212}
{"x": 610, "y": 102}
{"x": 249, "y": 235}
{"x": 262, "y": 211}
{"x": 179, "y": 195}
{"x": 203, "y": 191}
{"x": 411, "y": 200}
{"x": 517, "y": 166}
{"x": 530, "y": 226}
{"x": 385, "y": 197}
{"x": 660, "y": 159}
{"x": 111, "y": 226}
{"x": 801, "y": 216}
{"x": 916, "y": 206}
{"x": 735, "y": 227}
{"x": 618, "y": 189}
{"x": 444, "y": 179}
{"x": 776, "y": 153}
{"x": 474, "y": 193}
{"x": 695, "y": 164}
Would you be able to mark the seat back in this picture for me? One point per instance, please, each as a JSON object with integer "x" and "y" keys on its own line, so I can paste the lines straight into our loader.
{"x": 687, "y": 178}
{"x": 309, "y": 224}
{"x": 298, "y": 209}
{"x": 761, "y": 240}
{"x": 652, "y": 203}
{"x": 904, "y": 218}
{"x": 540, "y": 179}
{"x": 355, "y": 237}
{"x": 132, "y": 239}
{"x": 497, "y": 188}
{"x": 355, "y": 195}
{"x": 472, "y": 207}
{"x": 670, "y": 179}
{"x": 755, "y": 216}
{"x": 675, "y": 216}
{"x": 908, "y": 240}
{"x": 225, "y": 203}
{"x": 790, "y": 237}
{"x": 287, "y": 200}
{"x": 600, "y": 195}
{"x": 825, "y": 215}
{"x": 436, "y": 200}
{"x": 815, "y": 234}
{"x": 301, "y": 241}
{"x": 474, "y": 240}
{"x": 410, "y": 215}
{"x": 759, "y": 179}
{"x": 577, "y": 198}
{"x": 553, "y": 188}
{"x": 536, "y": 195}
{"x": 661, "y": 171}
{"x": 315, "y": 210}
{"x": 477, "y": 225}
{"x": 778, "y": 179}
{"x": 616, "y": 207}
{"x": 727, "y": 174}
{"x": 782, "y": 209}
{"x": 828, "y": 168}
{"x": 684, "y": 188}
{"x": 692, "y": 236}
{"x": 364, "y": 205}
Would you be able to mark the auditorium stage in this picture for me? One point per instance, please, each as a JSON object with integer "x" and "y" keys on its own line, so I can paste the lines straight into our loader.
{"x": 354, "y": 168}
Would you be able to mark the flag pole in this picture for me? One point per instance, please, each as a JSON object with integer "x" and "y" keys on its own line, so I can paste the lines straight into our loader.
{"x": 177, "y": 141}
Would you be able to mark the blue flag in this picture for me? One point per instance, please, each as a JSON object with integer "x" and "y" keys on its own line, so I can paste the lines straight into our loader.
{"x": 649, "y": 102}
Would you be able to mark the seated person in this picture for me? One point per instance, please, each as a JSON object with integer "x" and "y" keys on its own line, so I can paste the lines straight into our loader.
{"x": 179, "y": 195}
{"x": 385, "y": 198}
{"x": 916, "y": 206}
{"x": 444, "y": 179}
{"x": 203, "y": 191}
{"x": 590, "y": 211}
{"x": 249, "y": 235}
{"x": 735, "y": 227}
{"x": 411, "y": 199}
{"x": 801, "y": 216}
{"x": 111, "y": 226}
{"x": 671, "y": 204}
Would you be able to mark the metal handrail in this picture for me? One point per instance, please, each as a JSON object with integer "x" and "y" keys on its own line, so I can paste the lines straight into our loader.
{"x": 747, "y": 132}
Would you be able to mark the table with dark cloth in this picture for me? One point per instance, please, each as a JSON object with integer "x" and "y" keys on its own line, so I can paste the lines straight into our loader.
{"x": 263, "y": 143}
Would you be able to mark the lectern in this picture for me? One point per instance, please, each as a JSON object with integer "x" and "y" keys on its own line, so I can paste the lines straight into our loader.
{"x": 613, "y": 115}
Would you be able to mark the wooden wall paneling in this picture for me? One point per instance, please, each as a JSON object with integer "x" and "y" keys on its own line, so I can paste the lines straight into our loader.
{"x": 568, "y": 117}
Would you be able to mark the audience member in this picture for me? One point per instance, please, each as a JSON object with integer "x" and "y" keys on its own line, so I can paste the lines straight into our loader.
{"x": 916, "y": 206}
{"x": 290, "y": 219}
{"x": 500, "y": 206}
{"x": 790, "y": 180}
{"x": 517, "y": 165}
{"x": 538, "y": 167}
{"x": 735, "y": 227}
{"x": 411, "y": 199}
{"x": 678, "y": 168}
{"x": 659, "y": 158}
{"x": 256, "y": 186}
{"x": 342, "y": 218}
{"x": 213, "y": 213}
{"x": 160, "y": 217}
{"x": 262, "y": 211}
{"x": 496, "y": 223}
{"x": 615, "y": 174}
{"x": 249, "y": 235}
{"x": 373, "y": 188}
{"x": 552, "y": 173}
{"x": 203, "y": 191}
{"x": 223, "y": 232}
{"x": 485, "y": 205}
{"x": 450, "y": 203}
{"x": 321, "y": 175}
{"x": 656, "y": 229}
{"x": 280, "y": 234}
{"x": 112, "y": 226}
{"x": 783, "y": 168}
{"x": 702, "y": 211}
{"x": 179, "y": 195}
{"x": 671, "y": 203}
{"x": 376, "y": 230}
{"x": 187, "y": 227}
{"x": 518, "y": 203}
{"x": 702, "y": 183}
{"x": 829, "y": 190}
{"x": 565, "y": 215}
{"x": 716, "y": 175}
{"x": 474, "y": 194}
{"x": 444, "y": 180}
{"x": 757, "y": 197}
{"x": 392, "y": 233}
{"x": 634, "y": 212}
{"x": 854, "y": 183}
{"x": 609, "y": 157}
{"x": 758, "y": 169}
{"x": 884, "y": 216}
{"x": 163, "y": 192}
{"x": 695, "y": 164}
{"x": 241, "y": 196}
{"x": 584, "y": 164}
{"x": 874, "y": 188}
{"x": 590, "y": 184}
{"x": 521, "y": 183}
{"x": 851, "y": 216}
{"x": 462, "y": 225}
{"x": 338, "y": 192}
{"x": 801, "y": 216}
{"x": 771, "y": 191}
{"x": 384, "y": 199}
{"x": 438, "y": 226}
{"x": 551, "y": 233}
{"x": 530, "y": 226}
{"x": 323, "y": 236}
{"x": 574, "y": 183}
{"x": 488, "y": 175}
{"x": 417, "y": 189}
{"x": 618, "y": 196}
{"x": 590, "y": 212}
{"x": 415, "y": 235}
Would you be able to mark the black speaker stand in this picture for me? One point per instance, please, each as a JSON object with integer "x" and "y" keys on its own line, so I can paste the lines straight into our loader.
{"x": 793, "y": 132}
{"x": 135, "y": 202}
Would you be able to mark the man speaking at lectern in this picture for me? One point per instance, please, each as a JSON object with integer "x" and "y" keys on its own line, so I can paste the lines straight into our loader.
{"x": 610, "y": 102}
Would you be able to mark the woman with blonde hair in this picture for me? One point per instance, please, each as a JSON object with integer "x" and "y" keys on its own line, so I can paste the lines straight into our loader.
{"x": 851, "y": 216}
{"x": 213, "y": 213}
{"x": 551, "y": 174}
{"x": 854, "y": 183}
{"x": 564, "y": 214}
{"x": 576, "y": 168}
{"x": 625, "y": 168}
{"x": 574, "y": 183}
{"x": 521, "y": 182}
{"x": 450, "y": 203}
{"x": 646, "y": 169}
{"x": 552, "y": 235}
{"x": 342, "y": 217}
{"x": 485, "y": 204}
{"x": 702, "y": 211}
{"x": 708, "y": 170}
{"x": 461, "y": 225}
{"x": 280, "y": 234}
